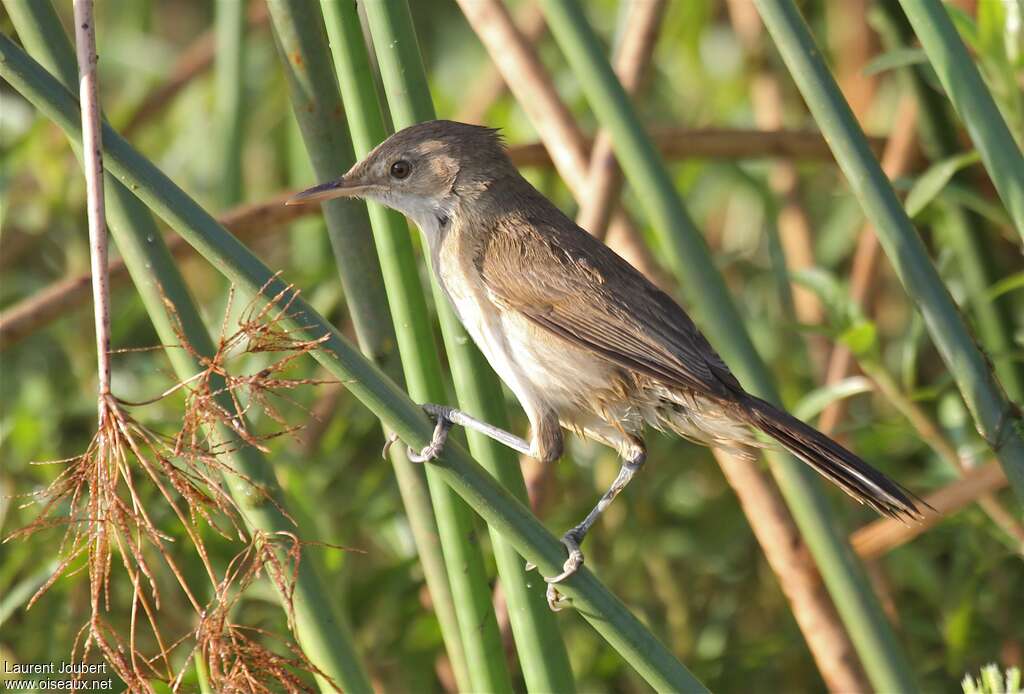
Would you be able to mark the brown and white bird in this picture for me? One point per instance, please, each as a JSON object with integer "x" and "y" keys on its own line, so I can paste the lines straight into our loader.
{"x": 582, "y": 338}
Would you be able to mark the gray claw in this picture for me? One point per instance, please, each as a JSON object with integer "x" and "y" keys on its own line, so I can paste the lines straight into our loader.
{"x": 388, "y": 443}
{"x": 433, "y": 449}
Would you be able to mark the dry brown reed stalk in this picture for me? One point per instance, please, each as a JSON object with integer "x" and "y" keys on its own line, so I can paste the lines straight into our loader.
{"x": 633, "y": 56}
{"x": 250, "y": 222}
{"x": 882, "y": 536}
{"x": 533, "y": 89}
{"x": 194, "y": 61}
{"x": 92, "y": 162}
{"x": 107, "y": 499}
{"x": 798, "y": 576}
{"x": 896, "y": 161}
{"x": 713, "y": 143}
{"x": 490, "y": 86}
{"x": 794, "y": 227}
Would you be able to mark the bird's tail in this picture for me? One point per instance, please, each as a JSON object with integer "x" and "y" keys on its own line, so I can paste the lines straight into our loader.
{"x": 843, "y": 468}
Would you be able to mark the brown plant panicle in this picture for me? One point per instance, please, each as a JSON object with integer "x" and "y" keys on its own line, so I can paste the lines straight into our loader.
{"x": 237, "y": 660}
{"x": 105, "y": 498}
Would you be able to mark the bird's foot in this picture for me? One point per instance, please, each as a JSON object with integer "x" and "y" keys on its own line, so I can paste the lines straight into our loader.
{"x": 432, "y": 450}
{"x": 557, "y": 601}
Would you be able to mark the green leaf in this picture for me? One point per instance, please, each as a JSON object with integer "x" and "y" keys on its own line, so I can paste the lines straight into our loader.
{"x": 896, "y": 58}
{"x": 1005, "y": 286}
{"x": 812, "y": 404}
{"x": 935, "y": 179}
{"x": 861, "y": 338}
{"x": 991, "y": 25}
{"x": 962, "y": 195}
{"x": 841, "y": 307}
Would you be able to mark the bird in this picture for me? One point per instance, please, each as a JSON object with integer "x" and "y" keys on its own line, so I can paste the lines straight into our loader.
{"x": 584, "y": 340}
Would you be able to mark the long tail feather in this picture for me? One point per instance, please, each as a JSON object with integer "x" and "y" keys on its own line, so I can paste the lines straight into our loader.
{"x": 843, "y": 468}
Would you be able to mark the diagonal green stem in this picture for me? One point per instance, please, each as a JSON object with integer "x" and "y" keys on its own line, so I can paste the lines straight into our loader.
{"x": 972, "y": 100}
{"x": 992, "y": 412}
{"x": 542, "y": 654}
{"x": 302, "y": 45}
{"x": 365, "y": 381}
{"x": 691, "y": 260}
{"x": 964, "y": 230}
{"x": 321, "y": 630}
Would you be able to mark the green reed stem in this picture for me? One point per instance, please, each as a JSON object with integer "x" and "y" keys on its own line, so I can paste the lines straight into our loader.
{"x": 964, "y": 230}
{"x": 229, "y": 64}
{"x": 972, "y": 100}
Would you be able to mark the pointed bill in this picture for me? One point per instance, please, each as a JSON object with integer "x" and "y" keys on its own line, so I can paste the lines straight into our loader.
{"x": 338, "y": 188}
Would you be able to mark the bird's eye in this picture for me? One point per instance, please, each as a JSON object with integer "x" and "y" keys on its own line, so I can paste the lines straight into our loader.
{"x": 400, "y": 169}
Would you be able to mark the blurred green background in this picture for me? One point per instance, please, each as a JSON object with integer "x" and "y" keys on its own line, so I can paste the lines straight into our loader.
{"x": 676, "y": 547}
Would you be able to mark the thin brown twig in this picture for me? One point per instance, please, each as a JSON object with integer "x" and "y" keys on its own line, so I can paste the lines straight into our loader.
{"x": 676, "y": 143}
{"x": 885, "y": 534}
{"x": 250, "y": 221}
{"x": 255, "y": 220}
{"x": 633, "y": 56}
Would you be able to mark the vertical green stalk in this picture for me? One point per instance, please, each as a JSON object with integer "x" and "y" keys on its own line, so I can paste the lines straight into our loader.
{"x": 964, "y": 230}
{"x": 321, "y": 631}
{"x": 595, "y": 603}
{"x": 541, "y": 650}
{"x": 691, "y": 260}
{"x": 993, "y": 414}
{"x": 972, "y": 101}
{"x": 302, "y": 42}
{"x": 229, "y": 100}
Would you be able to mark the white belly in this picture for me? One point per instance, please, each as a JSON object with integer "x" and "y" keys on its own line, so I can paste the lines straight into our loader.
{"x": 544, "y": 372}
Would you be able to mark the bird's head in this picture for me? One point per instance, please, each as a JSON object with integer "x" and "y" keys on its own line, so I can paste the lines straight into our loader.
{"x": 423, "y": 171}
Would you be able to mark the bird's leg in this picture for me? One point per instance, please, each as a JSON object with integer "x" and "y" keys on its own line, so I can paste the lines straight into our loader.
{"x": 574, "y": 537}
{"x": 445, "y": 417}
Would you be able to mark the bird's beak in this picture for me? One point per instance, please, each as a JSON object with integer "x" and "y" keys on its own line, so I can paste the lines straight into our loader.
{"x": 338, "y": 188}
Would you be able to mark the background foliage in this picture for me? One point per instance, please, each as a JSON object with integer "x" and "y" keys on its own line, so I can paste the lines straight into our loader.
{"x": 676, "y": 547}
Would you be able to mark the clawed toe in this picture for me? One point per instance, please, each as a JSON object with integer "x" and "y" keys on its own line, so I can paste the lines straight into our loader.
{"x": 556, "y": 601}
{"x": 388, "y": 443}
{"x": 572, "y": 563}
{"x": 433, "y": 449}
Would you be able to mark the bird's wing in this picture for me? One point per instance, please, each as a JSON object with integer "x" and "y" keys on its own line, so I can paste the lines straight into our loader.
{"x": 567, "y": 282}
